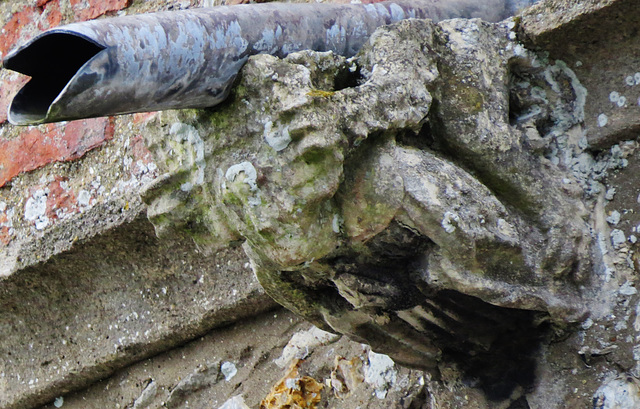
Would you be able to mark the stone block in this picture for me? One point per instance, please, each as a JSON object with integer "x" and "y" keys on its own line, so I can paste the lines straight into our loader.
{"x": 598, "y": 40}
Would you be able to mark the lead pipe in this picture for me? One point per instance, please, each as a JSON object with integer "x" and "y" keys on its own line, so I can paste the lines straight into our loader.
{"x": 184, "y": 59}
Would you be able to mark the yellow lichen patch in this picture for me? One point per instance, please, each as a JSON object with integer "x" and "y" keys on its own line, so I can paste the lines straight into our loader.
{"x": 320, "y": 93}
{"x": 293, "y": 391}
{"x": 346, "y": 376}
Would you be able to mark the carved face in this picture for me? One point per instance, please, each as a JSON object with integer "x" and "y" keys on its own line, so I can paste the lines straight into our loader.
{"x": 396, "y": 197}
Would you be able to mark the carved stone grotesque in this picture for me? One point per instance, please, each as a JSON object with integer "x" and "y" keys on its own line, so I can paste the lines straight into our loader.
{"x": 413, "y": 197}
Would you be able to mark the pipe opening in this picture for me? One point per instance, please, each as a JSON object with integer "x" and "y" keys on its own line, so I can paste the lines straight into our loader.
{"x": 51, "y": 61}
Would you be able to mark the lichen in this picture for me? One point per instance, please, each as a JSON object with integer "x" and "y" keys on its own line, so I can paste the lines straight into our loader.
{"x": 356, "y": 202}
{"x": 320, "y": 93}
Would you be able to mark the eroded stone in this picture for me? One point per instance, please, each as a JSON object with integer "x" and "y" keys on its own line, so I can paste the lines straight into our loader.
{"x": 408, "y": 210}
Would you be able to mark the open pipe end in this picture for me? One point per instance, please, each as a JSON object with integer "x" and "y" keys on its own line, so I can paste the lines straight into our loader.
{"x": 51, "y": 60}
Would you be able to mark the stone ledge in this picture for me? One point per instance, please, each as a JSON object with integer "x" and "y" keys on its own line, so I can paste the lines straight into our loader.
{"x": 191, "y": 377}
{"x": 110, "y": 301}
{"x": 57, "y": 281}
{"x": 598, "y": 40}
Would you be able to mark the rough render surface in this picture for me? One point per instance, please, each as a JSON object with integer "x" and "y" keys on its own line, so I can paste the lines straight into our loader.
{"x": 88, "y": 289}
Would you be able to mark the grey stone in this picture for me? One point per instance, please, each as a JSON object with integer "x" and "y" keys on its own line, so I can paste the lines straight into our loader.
{"x": 111, "y": 301}
{"x": 442, "y": 197}
{"x": 597, "y": 49}
{"x": 256, "y": 345}
{"x": 405, "y": 195}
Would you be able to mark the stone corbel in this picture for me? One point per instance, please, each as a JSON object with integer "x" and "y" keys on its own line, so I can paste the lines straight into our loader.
{"x": 403, "y": 197}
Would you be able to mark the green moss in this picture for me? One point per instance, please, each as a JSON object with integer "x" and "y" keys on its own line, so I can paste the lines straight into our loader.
{"x": 239, "y": 91}
{"x": 219, "y": 120}
{"x": 286, "y": 117}
{"x": 268, "y": 236}
{"x": 315, "y": 156}
{"x": 231, "y": 199}
{"x": 288, "y": 294}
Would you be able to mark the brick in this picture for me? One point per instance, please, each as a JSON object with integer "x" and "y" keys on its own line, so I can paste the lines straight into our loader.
{"x": 140, "y": 151}
{"x": 8, "y": 90}
{"x": 12, "y": 32}
{"x": 90, "y": 9}
{"x": 5, "y": 229}
{"x": 52, "y": 15}
{"x": 60, "y": 199}
{"x": 5, "y": 237}
{"x": 38, "y": 146}
{"x": 27, "y": 22}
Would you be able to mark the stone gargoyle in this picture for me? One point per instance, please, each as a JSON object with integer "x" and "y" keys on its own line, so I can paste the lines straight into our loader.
{"x": 404, "y": 197}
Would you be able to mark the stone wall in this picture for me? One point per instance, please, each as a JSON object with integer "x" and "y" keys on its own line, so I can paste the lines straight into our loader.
{"x": 119, "y": 289}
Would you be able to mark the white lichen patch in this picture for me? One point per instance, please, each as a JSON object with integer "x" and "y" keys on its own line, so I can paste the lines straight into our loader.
{"x": 380, "y": 373}
{"x": 250, "y": 179}
{"x": 35, "y": 209}
{"x": 191, "y": 147}
{"x": 603, "y": 119}
{"x": 614, "y": 96}
{"x": 84, "y": 198}
{"x": 228, "y": 370}
{"x": 561, "y": 69}
{"x": 186, "y": 186}
{"x": 250, "y": 174}
{"x": 35, "y": 206}
{"x": 278, "y": 138}
{"x": 450, "y": 222}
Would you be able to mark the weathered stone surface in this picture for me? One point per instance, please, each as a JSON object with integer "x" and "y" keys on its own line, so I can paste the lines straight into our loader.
{"x": 597, "y": 40}
{"x": 111, "y": 301}
{"x": 357, "y": 188}
{"x": 376, "y": 196}
{"x": 326, "y": 175}
{"x": 350, "y": 373}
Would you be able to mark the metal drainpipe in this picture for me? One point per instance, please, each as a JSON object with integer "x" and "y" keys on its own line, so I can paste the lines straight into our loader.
{"x": 188, "y": 58}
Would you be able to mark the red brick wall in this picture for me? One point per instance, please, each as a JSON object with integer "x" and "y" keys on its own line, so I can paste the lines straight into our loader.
{"x": 34, "y": 147}
{"x": 35, "y": 192}
{"x": 39, "y": 186}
